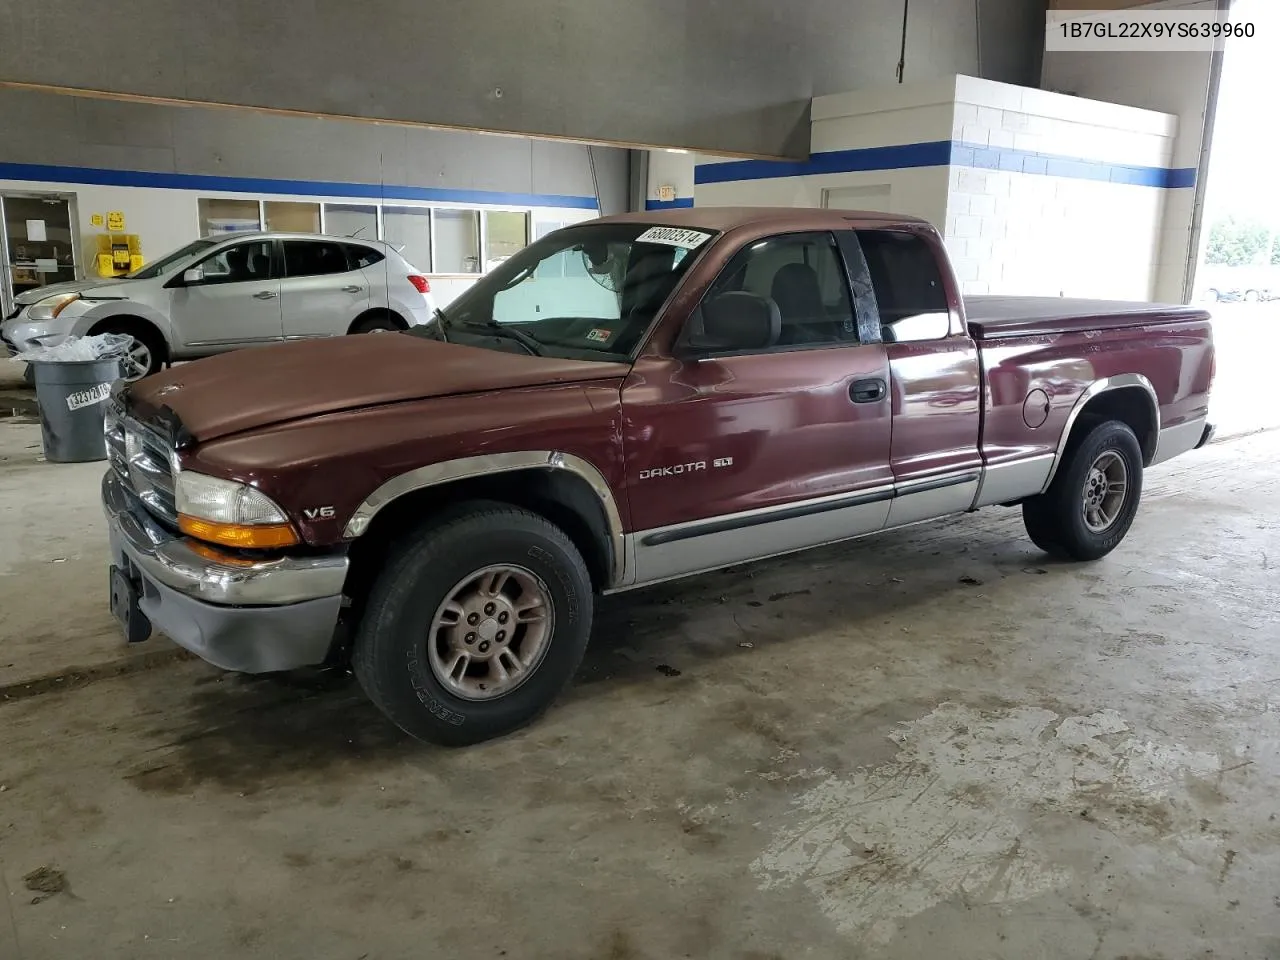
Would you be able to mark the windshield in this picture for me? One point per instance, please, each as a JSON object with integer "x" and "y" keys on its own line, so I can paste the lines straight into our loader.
{"x": 166, "y": 264}
{"x": 585, "y": 292}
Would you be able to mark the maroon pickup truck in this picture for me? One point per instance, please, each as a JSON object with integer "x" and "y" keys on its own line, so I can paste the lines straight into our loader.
{"x": 626, "y": 401}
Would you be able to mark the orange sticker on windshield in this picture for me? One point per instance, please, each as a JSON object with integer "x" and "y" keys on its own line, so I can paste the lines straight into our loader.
{"x": 599, "y": 335}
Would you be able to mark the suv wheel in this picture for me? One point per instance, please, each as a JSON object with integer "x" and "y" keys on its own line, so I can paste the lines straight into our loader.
{"x": 474, "y": 625}
{"x": 1093, "y": 498}
{"x": 379, "y": 323}
{"x": 146, "y": 353}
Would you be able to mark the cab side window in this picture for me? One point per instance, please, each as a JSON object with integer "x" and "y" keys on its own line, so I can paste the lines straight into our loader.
{"x": 803, "y": 275}
{"x": 242, "y": 263}
{"x": 908, "y": 286}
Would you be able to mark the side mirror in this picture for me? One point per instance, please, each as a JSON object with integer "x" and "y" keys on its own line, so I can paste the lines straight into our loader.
{"x": 731, "y": 322}
{"x": 194, "y": 275}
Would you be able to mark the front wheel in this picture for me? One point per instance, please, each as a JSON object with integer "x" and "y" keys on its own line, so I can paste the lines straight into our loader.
{"x": 475, "y": 625}
{"x": 146, "y": 353}
{"x": 1093, "y": 498}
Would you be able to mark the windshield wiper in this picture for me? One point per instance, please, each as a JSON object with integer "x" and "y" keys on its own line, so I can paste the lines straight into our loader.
{"x": 532, "y": 344}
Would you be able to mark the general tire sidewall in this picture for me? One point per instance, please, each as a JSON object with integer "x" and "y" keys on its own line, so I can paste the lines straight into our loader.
{"x": 1109, "y": 436}
{"x": 421, "y": 586}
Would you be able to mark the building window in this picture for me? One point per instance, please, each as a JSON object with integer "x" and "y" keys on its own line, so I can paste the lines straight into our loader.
{"x": 457, "y": 241}
{"x": 408, "y": 229}
{"x": 351, "y": 220}
{"x": 288, "y": 216}
{"x": 220, "y": 215}
{"x": 505, "y": 233}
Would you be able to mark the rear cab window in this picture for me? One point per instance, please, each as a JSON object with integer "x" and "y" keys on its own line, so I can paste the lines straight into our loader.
{"x": 908, "y": 286}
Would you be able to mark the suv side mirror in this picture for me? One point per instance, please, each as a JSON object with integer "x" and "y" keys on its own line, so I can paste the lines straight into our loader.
{"x": 193, "y": 275}
{"x": 729, "y": 323}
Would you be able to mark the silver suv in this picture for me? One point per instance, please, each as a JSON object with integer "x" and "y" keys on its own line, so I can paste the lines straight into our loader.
{"x": 235, "y": 290}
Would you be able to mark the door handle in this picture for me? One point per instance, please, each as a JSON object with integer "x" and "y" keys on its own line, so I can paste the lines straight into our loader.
{"x": 264, "y": 295}
{"x": 352, "y": 289}
{"x": 867, "y": 391}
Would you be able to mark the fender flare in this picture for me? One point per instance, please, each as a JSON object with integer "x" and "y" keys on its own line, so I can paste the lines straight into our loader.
{"x": 485, "y": 465}
{"x": 1120, "y": 381}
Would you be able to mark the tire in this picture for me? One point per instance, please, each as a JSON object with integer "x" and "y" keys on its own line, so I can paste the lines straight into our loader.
{"x": 377, "y": 323}
{"x": 1056, "y": 520}
{"x": 394, "y": 643}
{"x": 147, "y": 356}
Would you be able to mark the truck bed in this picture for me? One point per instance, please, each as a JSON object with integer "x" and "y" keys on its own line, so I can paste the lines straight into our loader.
{"x": 996, "y": 318}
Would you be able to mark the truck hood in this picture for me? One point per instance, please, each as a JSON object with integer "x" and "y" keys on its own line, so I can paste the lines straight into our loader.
{"x": 261, "y": 386}
{"x": 70, "y": 286}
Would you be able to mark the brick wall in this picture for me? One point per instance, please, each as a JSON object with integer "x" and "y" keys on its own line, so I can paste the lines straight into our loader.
{"x": 1051, "y": 194}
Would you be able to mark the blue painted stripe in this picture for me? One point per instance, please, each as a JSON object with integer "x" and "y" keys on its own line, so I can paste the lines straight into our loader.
{"x": 1059, "y": 165}
{"x": 678, "y": 203}
{"x": 936, "y": 153}
{"x": 940, "y": 153}
{"x": 309, "y": 188}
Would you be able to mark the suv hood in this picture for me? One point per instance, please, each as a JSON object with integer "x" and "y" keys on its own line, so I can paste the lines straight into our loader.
{"x": 260, "y": 386}
{"x": 70, "y": 286}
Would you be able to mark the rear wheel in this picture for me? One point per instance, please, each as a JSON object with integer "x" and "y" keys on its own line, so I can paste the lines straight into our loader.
{"x": 377, "y": 323}
{"x": 475, "y": 625}
{"x": 1093, "y": 498}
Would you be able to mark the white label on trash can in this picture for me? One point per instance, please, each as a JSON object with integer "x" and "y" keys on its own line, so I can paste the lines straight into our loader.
{"x": 87, "y": 398}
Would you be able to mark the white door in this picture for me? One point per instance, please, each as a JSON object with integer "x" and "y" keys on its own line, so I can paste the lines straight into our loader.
{"x": 235, "y": 303}
{"x": 321, "y": 291}
{"x": 872, "y": 197}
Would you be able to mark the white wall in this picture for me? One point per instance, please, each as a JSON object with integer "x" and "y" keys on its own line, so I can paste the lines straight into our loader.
{"x": 865, "y": 119}
{"x": 163, "y": 219}
{"x": 669, "y": 168}
{"x": 1175, "y": 82}
{"x": 1024, "y": 230}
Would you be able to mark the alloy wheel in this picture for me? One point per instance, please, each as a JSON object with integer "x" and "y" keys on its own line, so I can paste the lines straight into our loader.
{"x": 491, "y": 631}
{"x": 1105, "y": 487}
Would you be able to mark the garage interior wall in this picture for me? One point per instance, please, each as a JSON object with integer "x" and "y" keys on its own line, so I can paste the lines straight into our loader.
{"x": 1013, "y": 177}
{"x": 154, "y": 162}
{"x": 1175, "y": 82}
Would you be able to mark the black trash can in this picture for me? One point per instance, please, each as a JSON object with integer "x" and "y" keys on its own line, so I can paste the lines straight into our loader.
{"x": 72, "y": 397}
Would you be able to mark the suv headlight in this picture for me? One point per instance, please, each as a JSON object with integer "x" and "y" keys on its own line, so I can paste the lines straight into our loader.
{"x": 50, "y": 307}
{"x": 230, "y": 514}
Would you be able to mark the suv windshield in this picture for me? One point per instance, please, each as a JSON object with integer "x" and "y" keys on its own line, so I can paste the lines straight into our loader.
{"x": 585, "y": 292}
{"x": 166, "y": 264}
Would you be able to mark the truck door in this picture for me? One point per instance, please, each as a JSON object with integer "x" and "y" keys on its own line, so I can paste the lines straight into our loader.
{"x": 935, "y": 378}
{"x": 731, "y": 456}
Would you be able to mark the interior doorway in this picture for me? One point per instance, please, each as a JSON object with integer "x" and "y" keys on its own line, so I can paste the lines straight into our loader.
{"x": 38, "y": 245}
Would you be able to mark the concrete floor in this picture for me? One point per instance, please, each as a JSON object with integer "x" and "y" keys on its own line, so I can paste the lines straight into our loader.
{"x": 933, "y": 743}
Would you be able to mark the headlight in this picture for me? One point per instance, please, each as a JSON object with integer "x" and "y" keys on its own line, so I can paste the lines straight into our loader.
{"x": 229, "y": 513}
{"x": 50, "y": 307}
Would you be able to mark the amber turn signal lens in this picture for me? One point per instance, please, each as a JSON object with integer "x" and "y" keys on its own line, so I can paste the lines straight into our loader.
{"x": 243, "y": 536}
{"x": 202, "y": 549}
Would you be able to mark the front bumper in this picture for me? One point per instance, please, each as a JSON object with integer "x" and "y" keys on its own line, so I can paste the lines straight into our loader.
{"x": 1207, "y": 436}
{"x": 272, "y": 615}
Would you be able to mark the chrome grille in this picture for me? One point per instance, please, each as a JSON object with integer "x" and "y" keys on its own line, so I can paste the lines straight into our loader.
{"x": 143, "y": 459}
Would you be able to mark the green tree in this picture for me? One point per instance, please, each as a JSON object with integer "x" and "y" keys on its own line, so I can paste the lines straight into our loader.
{"x": 1238, "y": 243}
